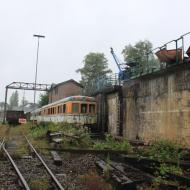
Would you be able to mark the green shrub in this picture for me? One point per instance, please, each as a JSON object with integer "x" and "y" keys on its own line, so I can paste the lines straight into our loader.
{"x": 164, "y": 169}
{"x": 164, "y": 150}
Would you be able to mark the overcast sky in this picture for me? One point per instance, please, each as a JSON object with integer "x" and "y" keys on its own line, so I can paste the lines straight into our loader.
{"x": 73, "y": 28}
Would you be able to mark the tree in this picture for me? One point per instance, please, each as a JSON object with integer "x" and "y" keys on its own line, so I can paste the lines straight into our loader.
{"x": 95, "y": 64}
{"x": 2, "y": 105}
{"x": 44, "y": 99}
{"x": 14, "y": 99}
{"x": 138, "y": 52}
{"x": 23, "y": 102}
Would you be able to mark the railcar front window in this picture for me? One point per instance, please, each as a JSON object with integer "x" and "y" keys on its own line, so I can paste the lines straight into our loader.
{"x": 91, "y": 108}
{"x": 83, "y": 108}
{"x": 75, "y": 107}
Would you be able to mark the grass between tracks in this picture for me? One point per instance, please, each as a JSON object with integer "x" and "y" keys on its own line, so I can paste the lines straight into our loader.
{"x": 74, "y": 137}
{"x": 40, "y": 184}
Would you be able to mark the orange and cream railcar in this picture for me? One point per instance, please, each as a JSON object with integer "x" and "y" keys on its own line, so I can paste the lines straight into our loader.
{"x": 73, "y": 109}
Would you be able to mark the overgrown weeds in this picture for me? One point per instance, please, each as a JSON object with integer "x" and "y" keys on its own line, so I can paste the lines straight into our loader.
{"x": 73, "y": 137}
{"x": 39, "y": 184}
{"x": 3, "y": 130}
{"x": 164, "y": 169}
{"x": 95, "y": 182}
{"x": 112, "y": 144}
{"x": 164, "y": 150}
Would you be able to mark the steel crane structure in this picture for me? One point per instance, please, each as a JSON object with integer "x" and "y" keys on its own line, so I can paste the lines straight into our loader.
{"x": 121, "y": 66}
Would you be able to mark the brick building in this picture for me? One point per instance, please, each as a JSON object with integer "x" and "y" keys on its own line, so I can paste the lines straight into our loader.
{"x": 64, "y": 89}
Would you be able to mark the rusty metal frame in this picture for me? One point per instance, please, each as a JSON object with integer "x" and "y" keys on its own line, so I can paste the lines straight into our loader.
{"x": 28, "y": 86}
{"x": 23, "y": 86}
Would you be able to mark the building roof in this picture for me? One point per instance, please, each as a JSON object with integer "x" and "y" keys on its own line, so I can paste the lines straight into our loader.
{"x": 65, "y": 82}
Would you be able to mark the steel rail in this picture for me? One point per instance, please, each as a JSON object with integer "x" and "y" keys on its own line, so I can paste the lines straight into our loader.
{"x": 57, "y": 183}
{"x": 23, "y": 181}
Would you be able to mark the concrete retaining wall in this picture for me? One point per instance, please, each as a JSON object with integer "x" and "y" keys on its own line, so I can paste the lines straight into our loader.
{"x": 158, "y": 106}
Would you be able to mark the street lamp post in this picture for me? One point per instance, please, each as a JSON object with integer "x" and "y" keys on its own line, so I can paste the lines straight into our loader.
{"x": 37, "y": 36}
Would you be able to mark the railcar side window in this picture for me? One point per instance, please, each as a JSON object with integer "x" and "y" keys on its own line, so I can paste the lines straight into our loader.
{"x": 59, "y": 109}
{"x": 75, "y": 107}
{"x": 64, "y": 108}
{"x": 83, "y": 108}
{"x": 91, "y": 108}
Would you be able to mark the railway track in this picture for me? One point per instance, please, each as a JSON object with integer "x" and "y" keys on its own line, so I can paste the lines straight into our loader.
{"x": 125, "y": 172}
{"x": 134, "y": 170}
{"x": 151, "y": 166}
{"x": 30, "y": 168}
{"x": 8, "y": 177}
{"x": 53, "y": 177}
{"x": 124, "y": 176}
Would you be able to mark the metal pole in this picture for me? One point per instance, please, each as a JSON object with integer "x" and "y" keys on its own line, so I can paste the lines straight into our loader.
{"x": 182, "y": 39}
{"x": 176, "y": 52}
{"x": 5, "y": 105}
{"x": 36, "y": 73}
{"x": 183, "y": 48}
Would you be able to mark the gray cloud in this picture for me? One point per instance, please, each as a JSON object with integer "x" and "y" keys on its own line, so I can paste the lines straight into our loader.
{"x": 74, "y": 28}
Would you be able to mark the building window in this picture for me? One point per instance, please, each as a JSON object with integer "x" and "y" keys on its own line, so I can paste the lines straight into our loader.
{"x": 83, "y": 108}
{"x": 91, "y": 108}
{"x": 75, "y": 107}
{"x": 56, "y": 90}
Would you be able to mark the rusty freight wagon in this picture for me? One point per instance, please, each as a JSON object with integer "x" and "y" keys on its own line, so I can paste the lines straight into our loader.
{"x": 15, "y": 117}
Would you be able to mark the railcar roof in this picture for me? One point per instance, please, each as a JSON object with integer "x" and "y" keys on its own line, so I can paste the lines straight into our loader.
{"x": 36, "y": 110}
{"x": 72, "y": 98}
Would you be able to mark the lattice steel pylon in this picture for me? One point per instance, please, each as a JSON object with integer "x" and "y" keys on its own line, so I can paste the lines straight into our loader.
{"x": 23, "y": 86}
